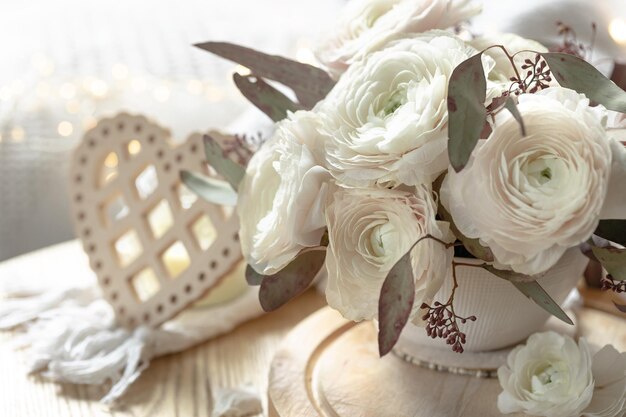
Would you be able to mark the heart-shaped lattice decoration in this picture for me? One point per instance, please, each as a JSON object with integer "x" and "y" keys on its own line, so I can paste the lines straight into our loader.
{"x": 153, "y": 244}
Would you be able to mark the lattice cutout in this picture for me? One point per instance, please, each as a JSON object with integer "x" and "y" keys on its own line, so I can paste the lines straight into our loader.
{"x": 154, "y": 246}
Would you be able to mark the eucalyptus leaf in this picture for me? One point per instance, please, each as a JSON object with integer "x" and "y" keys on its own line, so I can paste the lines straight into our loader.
{"x": 594, "y": 241}
{"x": 613, "y": 260}
{"x": 510, "y": 105}
{"x": 221, "y": 162}
{"x": 497, "y": 104}
{"x": 612, "y": 230}
{"x": 473, "y": 246}
{"x": 278, "y": 289}
{"x": 395, "y": 304}
{"x": 466, "y": 110}
{"x": 535, "y": 292}
{"x": 265, "y": 97}
{"x": 579, "y": 75}
{"x": 311, "y": 84}
{"x": 511, "y": 275}
{"x": 210, "y": 189}
{"x": 252, "y": 277}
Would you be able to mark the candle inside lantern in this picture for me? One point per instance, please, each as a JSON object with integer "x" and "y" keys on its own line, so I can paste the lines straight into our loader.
{"x": 229, "y": 288}
{"x": 176, "y": 258}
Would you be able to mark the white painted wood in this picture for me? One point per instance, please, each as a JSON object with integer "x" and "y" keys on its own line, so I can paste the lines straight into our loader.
{"x": 99, "y": 234}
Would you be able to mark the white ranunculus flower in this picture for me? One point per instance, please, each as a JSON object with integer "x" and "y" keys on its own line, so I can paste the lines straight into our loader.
{"x": 615, "y": 204}
{"x": 514, "y": 44}
{"x": 369, "y": 231}
{"x": 549, "y": 376}
{"x": 367, "y": 25}
{"x": 609, "y": 374}
{"x": 282, "y": 196}
{"x": 387, "y": 117}
{"x": 531, "y": 198}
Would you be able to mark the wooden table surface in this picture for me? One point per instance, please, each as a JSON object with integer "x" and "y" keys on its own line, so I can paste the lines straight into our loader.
{"x": 329, "y": 366}
{"x": 181, "y": 384}
{"x": 175, "y": 385}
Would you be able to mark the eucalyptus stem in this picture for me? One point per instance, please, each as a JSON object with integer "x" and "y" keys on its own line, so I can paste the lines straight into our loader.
{"x": 429, "y": 236}
{"x": 470, "y": 265}
{"x": 511, "y": 60}
{"x": 455, "y": 280}
{"x": 443, "y": 322}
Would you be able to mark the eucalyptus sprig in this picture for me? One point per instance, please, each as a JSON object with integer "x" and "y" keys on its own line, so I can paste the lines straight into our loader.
{"x": 397, "y": 296}
{"x": 468, "y": 114}
{"x": 442, "y": 320}
{"x": 310, "y": 84}
{"x": 467, "y": 94}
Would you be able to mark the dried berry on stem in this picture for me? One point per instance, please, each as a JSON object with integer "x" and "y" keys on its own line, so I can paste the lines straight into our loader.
{"x": 610, "y": 284}
{"x": 442, "y": 321}
{"x": 536, "y": 78}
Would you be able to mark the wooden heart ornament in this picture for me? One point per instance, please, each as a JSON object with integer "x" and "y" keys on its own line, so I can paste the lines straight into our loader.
{"x": 153, "y": 244}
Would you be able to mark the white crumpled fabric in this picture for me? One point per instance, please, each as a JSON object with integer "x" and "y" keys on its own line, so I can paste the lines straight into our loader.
{"x": 72, "y": 334}
{"x": 244, "y": 401}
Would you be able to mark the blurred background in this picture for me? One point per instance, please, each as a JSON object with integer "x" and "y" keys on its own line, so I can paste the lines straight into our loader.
{"x": 67, "y": 63}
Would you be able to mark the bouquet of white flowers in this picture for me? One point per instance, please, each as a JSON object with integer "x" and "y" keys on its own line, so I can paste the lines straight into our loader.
{"x": 412, "y": 144}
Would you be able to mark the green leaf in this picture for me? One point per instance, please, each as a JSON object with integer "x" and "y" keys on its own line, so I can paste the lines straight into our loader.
{"x": 310, "y": 83}
{"x": 579, "y": 75}
{"x": 594, "y": 241}
{"x": 265, "y": 97}
{"x": 221, "y": 162}
{"x": 252, "y": 277}
{"x": 511, "y": 275}
{"x": 613, "y": 260}
{"x": 278, "y": 289}
{"x": 466, "y": 110}
{"x": 612, "y": 230}
{"x": 510, "y": 105}
{"x": 395, "y": 304}
{"x": 210, "y": 189}
{"x": 535, "y": 292}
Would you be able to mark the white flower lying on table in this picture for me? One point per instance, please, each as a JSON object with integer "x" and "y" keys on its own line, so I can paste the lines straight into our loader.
{"x": 609, "y": 374}
{"x": 552, "y": 376}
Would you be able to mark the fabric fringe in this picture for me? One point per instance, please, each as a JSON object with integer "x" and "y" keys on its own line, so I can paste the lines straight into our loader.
{"x": 72, "y": 335}
{"x": 25, "y": 304}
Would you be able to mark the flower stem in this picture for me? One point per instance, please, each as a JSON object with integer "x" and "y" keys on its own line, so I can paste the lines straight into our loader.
{"x": 510, "y": 57}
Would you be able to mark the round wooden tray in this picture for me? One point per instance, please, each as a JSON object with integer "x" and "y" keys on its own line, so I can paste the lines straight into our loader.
{"x": 328, "y": 366}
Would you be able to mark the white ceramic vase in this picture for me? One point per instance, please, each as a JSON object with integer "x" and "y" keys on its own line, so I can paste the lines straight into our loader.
{"x": 505, "y": 317}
